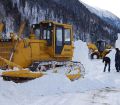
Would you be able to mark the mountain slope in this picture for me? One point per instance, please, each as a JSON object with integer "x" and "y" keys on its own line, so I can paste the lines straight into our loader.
{"x": 105, "y": 15}
{"x": 65, "y": 11}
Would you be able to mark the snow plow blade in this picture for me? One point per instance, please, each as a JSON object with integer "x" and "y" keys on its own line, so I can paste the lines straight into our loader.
{"x": 73, "y": 77}
{"x": 20, "y": 75}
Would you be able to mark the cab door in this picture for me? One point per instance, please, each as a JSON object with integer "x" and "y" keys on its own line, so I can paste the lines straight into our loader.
{"x": 63, "y": 40}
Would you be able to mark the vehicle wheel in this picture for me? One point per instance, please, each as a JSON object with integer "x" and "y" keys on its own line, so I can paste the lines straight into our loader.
{"x": 94, "y": 56}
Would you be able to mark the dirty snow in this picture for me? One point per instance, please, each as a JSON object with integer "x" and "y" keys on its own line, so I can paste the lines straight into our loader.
{"x": 96, "y": 88}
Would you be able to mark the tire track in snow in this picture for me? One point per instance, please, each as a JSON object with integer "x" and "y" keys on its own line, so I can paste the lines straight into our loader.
{"x": 103, "y": 96}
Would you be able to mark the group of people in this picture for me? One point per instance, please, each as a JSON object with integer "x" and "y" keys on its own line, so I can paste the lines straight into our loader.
{"x": 107, "y": 61}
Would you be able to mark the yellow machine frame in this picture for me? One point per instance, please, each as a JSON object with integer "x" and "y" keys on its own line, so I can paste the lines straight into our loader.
{"x": 25, "y": 51}
{"x": 94, "y": 50}
{"x": 55, "y": 43}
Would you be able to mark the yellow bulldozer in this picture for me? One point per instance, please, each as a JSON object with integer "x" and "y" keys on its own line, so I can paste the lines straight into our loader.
{"x": 98, "y": 50}
{"x": 49, "y": 44}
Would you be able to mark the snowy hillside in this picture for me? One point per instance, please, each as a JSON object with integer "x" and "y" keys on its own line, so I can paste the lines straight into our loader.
{"x": 105, "y": 15}
{"x": 96, "y": 87}
{"x": 102, "y": 13}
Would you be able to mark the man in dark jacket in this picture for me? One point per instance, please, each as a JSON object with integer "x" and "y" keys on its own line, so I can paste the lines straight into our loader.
{"x": 117, "y": 60}
{"x": 107, "y": 62}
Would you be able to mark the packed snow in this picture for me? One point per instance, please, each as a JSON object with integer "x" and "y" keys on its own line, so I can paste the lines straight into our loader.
{"x": 96, "y": 87}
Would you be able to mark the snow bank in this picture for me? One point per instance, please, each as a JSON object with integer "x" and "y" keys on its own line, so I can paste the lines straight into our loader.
{"x": 118, "y": 42}
{"x": 47, "y": 85}
{"x": 81, "y": 54}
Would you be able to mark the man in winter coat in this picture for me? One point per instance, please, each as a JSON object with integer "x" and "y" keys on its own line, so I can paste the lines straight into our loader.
{"x": 107, "y": 62}
{"x": 117, "y": 60}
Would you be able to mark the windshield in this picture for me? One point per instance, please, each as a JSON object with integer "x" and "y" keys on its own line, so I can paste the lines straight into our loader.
{"x": 101, "y": 45}
{"x": 46, "y": 33}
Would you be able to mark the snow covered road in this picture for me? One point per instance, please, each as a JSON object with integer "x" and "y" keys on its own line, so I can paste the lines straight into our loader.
{"x": 106, "y": 96}
{"x": 96, "y": 88}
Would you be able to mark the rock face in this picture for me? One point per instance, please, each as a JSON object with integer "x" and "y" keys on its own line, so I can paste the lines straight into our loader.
{"x": 86, "y": 24}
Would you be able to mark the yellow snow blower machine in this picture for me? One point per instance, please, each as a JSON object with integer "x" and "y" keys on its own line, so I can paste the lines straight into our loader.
{"x": 49, "y": 45}
{"x": 98, "y": 50}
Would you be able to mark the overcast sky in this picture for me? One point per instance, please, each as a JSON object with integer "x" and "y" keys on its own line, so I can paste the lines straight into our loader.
{"x": 110, "y": 5}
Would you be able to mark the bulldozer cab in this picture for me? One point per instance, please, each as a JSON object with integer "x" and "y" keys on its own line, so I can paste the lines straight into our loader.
{"x": 43, "y": 31}
{"x": 58, "y": 36}
{"x": 101, "y": 45}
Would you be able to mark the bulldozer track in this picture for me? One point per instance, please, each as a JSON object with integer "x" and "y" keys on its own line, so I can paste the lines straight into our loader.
{"x": 54, "y": 64}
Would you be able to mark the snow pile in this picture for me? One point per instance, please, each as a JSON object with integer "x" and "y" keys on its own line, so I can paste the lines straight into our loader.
{"x": 117, "y": 45}
{"x": 47, "y": 85}
{"x": 81, "y": 54}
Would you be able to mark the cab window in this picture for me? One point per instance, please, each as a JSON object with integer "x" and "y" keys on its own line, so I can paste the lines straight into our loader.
{"x": 67, "y": 36}
{"x": 63, "y": 36}
{"x": 47, "y": 36}
{"x": 59, "y": 36}
{"x": 37, "y": 33}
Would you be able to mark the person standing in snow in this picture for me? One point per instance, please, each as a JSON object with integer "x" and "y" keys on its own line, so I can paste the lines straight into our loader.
{"x": 117, "y": 60}
{"x": 107, "y": 62}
